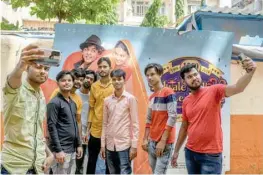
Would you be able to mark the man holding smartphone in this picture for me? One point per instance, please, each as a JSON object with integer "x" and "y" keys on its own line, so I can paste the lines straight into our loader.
{"x": 24, "y": 150}
{"x": 202, "y": 120}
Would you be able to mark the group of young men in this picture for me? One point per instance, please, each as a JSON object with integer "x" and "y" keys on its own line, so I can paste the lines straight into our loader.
{"x": 102, "y": 116}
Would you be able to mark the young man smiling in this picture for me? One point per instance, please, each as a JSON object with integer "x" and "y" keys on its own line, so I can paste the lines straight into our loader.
{"x": 90, "y": 49}
{"x": 62, "y": 126}
{"x": 79, "y": 76}
{"x": 121, "y": 126}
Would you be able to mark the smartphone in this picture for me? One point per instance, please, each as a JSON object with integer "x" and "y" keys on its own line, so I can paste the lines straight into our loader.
{"x": 241, "y": 57}
{"x": 51, "y": 57}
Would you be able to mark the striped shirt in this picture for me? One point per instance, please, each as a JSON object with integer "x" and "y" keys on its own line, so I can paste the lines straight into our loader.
{"x": 162, "y": 114}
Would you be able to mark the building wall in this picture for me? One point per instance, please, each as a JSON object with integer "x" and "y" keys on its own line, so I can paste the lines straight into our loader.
{"x": 192, "y": 6}
{"x": 11, "y": 15}
{"x": 247, "y": 124}
{"x": 212, "y": 2}
{"x": 246, "y": 109}
{"x": 39, "y": 24}
{"x": 126, "y": 17}
{"x": 252, "y": 6}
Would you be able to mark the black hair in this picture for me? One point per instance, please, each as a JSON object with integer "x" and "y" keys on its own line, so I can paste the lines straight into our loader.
{"x": 187, "y": 68}
{"x": 118, "y": 73}
{"x": 78, "y": 72}
{"x": 93, "y": 73}
{"x": 106, "y": 59}
{"x": 63, "y": 73}
{"x": 158, "y": 68}
{"x": 121, "y": 45}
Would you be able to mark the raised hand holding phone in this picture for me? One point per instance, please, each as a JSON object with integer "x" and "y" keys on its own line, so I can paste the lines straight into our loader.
{"x": 247, "y": 63}
{"x": 50, "y": 57}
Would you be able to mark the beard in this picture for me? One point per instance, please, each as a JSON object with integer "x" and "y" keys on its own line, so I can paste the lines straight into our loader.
{"x": 37, "y": 80}
{"x": 86, "y": 85}
{"x": 194, "y": 88}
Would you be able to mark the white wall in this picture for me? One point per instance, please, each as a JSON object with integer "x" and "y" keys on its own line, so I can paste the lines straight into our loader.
{"x": 10, "y": 14}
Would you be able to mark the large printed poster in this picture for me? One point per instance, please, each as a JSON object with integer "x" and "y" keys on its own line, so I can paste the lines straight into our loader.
{"x": 131, "y": 49}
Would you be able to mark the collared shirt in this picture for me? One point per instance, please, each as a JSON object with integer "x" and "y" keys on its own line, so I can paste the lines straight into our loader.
{"x": 62, "y": 125}
{"x": 98, "y": 93}
{"x": 24, "y": 112}
{"x": 120, "y": 122}
{"x": 75, "y": 97}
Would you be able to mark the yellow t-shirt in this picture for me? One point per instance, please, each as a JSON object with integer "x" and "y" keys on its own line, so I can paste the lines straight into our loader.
{"x": 75, "y": 97}
{"x": 98, "y": 93}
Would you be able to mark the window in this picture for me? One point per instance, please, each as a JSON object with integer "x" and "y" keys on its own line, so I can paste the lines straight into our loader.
{"x": 162, "y": 10}
{"x": 139, "y": 7}
{"x": 193, "y": 8}
{"x": 258, "y": 5}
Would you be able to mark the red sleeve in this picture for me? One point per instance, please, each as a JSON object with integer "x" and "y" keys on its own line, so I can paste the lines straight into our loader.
{"x": 184, "y": 117}
{"x": 220, "y": 91}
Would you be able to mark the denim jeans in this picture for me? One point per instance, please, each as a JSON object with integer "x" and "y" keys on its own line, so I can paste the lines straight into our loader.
{"x": 202, "y": 163}
{"x": 119, "y": 161}
{"x": 101, "y": 166}
{"x": 159, "y": 165}
{"x": 95, "y": 163}
{"x": 4, "y": 171}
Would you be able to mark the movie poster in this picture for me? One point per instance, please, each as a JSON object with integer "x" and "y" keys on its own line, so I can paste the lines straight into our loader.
{"x": 131, "y": 49}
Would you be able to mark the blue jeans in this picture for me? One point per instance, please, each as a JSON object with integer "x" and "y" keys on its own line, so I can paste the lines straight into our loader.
{"x": 119, "y": 161}
{"x": 95, "y": 163}
{"x": 100, "y": 166}
{"x": 4, "y": 171}
{"x": 159, "y": 165}
{"x": 202, "y": 163}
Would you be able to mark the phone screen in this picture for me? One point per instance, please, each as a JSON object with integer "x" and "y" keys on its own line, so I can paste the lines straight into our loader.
{"x": 50, "y": 58}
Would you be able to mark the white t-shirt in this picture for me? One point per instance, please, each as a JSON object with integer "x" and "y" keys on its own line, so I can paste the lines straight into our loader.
{"x": 85, "y": 108}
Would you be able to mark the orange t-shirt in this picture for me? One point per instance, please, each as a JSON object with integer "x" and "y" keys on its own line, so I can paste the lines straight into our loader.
{"x": 162, "y": 114}
{"x": 202, "y": 110}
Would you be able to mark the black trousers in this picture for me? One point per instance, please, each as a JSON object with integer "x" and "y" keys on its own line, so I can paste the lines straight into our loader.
{"x": 94, "y": 151}
{"x": 79, "y": 162}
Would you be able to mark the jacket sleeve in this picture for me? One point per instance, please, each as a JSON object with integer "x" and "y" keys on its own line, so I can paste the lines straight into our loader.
{"x": 52, "y": 118}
